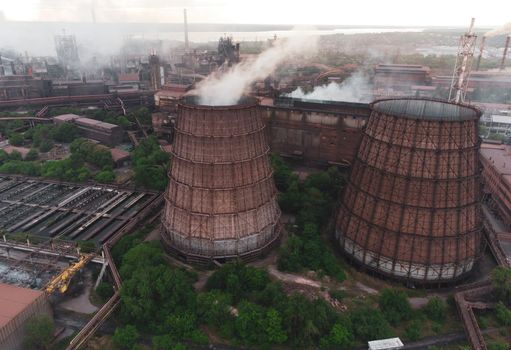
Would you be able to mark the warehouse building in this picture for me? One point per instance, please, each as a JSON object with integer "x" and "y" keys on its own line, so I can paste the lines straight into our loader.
{"x": 17, "y": 306}
{"x": 496, "y": 161}
{"x": 106, "y": 133}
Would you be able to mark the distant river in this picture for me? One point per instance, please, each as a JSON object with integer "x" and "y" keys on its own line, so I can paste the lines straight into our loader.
{"x": 100, "y": 39}
{"x": 202, "y": 37}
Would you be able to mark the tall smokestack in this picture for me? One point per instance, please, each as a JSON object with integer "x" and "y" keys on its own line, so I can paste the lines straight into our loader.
{"x": 503, "y": 63}
{"x": 483, "y": 41}
{"x": 93, "y": 11}
{"x": 186, "y": 31}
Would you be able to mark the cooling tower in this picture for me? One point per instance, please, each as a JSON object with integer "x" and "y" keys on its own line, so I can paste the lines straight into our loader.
{"x": 221, "y": 199}
{"x": 411, "y": 207}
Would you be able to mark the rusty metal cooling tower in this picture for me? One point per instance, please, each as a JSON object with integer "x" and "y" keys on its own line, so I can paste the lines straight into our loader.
{"x": 221, "y": 198}
{"x": 411, "y": 209}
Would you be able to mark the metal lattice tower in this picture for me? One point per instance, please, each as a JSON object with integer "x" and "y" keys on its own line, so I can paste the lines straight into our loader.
{"x": 463, "y": 65}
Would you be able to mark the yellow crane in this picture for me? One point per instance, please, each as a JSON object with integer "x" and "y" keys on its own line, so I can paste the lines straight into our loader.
{"x": 62, "y": 280}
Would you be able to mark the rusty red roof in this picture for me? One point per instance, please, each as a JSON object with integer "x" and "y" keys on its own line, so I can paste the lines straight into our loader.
{"x": 13, "y": 300}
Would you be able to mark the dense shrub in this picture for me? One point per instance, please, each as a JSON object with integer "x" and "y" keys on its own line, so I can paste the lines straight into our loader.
{"x": 369, "y": 324}
{"x": 125, "y": 337}
{"x": 501, "y": 280}
{"x": 395, "y": 305}
{"x": 38, "y": 333}
{"x": 413, "y": 330}
{"x": 503, "y": 314}
{"x": 435, "y": 309}
{"x": 16, "y": 139}
{"x": 105, "y": 291}
{"x": 150, "y": 164}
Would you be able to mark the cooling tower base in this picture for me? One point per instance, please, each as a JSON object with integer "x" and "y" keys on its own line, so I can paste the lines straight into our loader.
{"x": 424, "y": 275}
{"x": 205, "y": 260}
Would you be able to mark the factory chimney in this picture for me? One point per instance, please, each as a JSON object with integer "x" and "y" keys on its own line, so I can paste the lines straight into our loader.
{"x": 506, "y": 47}
{"x": 483, "y": 41}
{"x": 186, "y": 31}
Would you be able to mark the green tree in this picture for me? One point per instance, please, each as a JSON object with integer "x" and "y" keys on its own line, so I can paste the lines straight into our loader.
{"x": 162, "y": 342}
{"x": 32, "y": 155}
{"x": 394, "y": 305}
{"x": 369, "y": 324}
{"x": 213, "y": 307}
{"x": 238, "y": 280}
{"x": 125, "y": 337}
{"x": 290, "y": 255}
{"x": 275, "y": 334}
{"x": 150, "y": 164}
{"x": 104, "y": 290}
{"x": 501, "y": 280}
{"x": 16, "y": 139}
{"x": 39, "y": 333}
{"x": 3, "y": 156}
{"x": 413, "y": 330}
{"x": 105, "y": 176}
{"x": 21, "y": 167}
{"x": 15, "y": 155}
{"x": 65, "y": 132}
{"x": 498, "y": 346}
{"x": 503, "y": 314}
{"x": 339, "y": 338}
{"x": 45, "y": 145}
{"x": 282, "y": 173}
{"x": 152, "y": 291}
{"x": 435, "y": 309}
{"x": 249, "y": 323}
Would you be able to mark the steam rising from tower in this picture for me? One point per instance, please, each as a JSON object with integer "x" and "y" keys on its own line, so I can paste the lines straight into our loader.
{"x": 226, "y": 88}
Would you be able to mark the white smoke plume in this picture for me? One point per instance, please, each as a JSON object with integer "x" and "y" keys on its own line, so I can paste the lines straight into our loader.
{"x": 226, "y": 88}
{"x": 505, "y": 29}
{"x": 356, "y": 88}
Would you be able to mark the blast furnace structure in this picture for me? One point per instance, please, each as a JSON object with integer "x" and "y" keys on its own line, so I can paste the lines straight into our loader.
{"x": 221, "y": 199}
{"x": 411, "y": 209}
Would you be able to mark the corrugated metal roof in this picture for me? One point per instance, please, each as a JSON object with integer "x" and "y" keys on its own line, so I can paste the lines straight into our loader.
{"x": 95, "y": 123}
{"x": 14, "y": 300}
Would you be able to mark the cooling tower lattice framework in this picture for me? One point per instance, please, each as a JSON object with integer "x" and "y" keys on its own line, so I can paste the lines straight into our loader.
{"x": 221, "y": 198}
{"x": 411, "y": 208}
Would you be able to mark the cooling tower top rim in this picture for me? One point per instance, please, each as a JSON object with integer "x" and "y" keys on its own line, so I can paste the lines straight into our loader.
{"x": 426, "y": 109}
{"x": 192, "y": 101}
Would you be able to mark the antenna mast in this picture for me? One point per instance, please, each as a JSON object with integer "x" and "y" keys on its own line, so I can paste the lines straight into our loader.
{"x": 463, "y": 65}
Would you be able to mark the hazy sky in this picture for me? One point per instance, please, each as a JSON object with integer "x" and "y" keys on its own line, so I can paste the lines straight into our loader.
{"x": 370, "y": 12}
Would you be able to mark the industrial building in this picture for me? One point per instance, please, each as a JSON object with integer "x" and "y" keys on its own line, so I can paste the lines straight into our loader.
{"x": 106, "y": 133}
{"x": 395, "y": 79}
{"x": 66, "y": 210}
{"x": 496, "y": 161}
{"x": 317, "y": 132}
{"x": 411, "y": 209}
{"x": 14, "y": 87}
{"x": 221, "y": 201}
{"x": 17, "y": 306}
